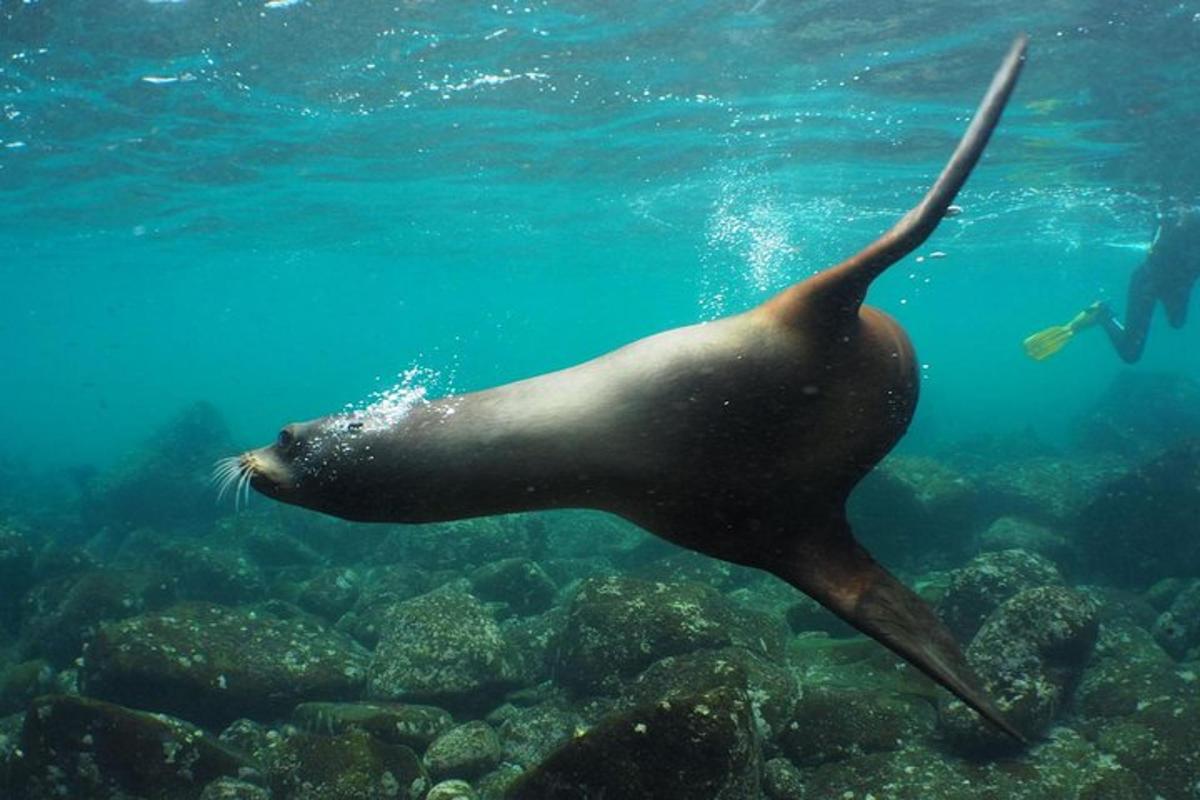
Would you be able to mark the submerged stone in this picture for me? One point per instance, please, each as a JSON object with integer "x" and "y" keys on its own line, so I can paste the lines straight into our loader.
{"x": 413, "y": 726}
{"x": 234, "y": 789}
{"x": 528, "y": 735}
{"x": 80, "y": 747}
{"x": 1029, "y": 654}
{"x": 1177, "y": 630}
{"x": 61, "y": 613}
{"x": 771, "y": 689}
{"x": 704, "y": 746}
{"x": 1015, "y": 533}
{"x": 833, "y": 723}
{"x": 520, "y": 583}
{"x": 443, "y": 647}
{"x": 976, "y": 590}
{"x": 616, "y": 627}
{"x": 451, "y": 790}
{"x": 166, "y": 484}
{"x": 1143, "y": 526}
{"x": 213, "y": 664}
{"x": 464, "y": 752}
{"x": 348, "y": 766}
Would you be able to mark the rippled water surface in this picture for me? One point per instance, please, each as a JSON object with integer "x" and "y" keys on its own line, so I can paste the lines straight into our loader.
{"x": 281, "y": 207}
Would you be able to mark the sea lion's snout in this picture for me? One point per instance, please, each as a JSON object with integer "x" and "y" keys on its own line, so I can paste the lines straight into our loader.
{"x": 269, "y": 474}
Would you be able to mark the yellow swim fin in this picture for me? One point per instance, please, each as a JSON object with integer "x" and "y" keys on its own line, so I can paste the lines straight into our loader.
{"x": 1046, "y": 343}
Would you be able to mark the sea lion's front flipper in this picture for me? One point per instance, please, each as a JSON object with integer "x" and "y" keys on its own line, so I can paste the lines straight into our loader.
{"x": 840, "y": 290}
{"x": 835, "y": 570}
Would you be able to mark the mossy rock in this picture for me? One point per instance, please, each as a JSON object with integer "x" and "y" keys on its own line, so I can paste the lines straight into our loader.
{"x": 80, "y": 747}
{"x": 773, "y": 690}
{"x": 414, "y": 726}
{"x": 444, "y": 647}
{"x": 528, "y": 735}
{"x": 832, "y": 723}
{"x": 978, "y": 589}
{"x": 465, "y": 752}
{"x": 520, "y": 583}
{"x": 348, "y": 766}
{"x": 616, "y": 627}
{"x": 704, "y": 746}
{"x": 213, "y": 664}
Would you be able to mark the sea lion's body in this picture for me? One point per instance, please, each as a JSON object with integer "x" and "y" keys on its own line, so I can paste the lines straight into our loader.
{"x": 739, "y": 438}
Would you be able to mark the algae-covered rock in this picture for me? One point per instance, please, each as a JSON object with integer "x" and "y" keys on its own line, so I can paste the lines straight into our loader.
{"x": 61, "y": 613}
{"x": 782, "y": 781}
{"x": 451, "y": 790}
{"x": 1066, "y": 767}
{"x": 20, "y": 683}
{"x": 380, "y": 589}
{"x": 16, "y": 574}
{"x": 166, "y": 484}
{"x": 1047, "y": 489}
{"x": 1146, "y": 525}
{"x": 1177, "y": 629}
{"x": 443, "y": 647}
{"x": 910, "y": 507}
{"x": 413, "y": 726}
{"x": 1140, "y": 413}
{"x": 616, "y": 627}
{"x": 1127, "y": 669}
{"x": 348, "y": 766}
{"x": 520, "y": 583}
{"x": 534, "y": 642}
{"x": 833, "y": 723}
{"x": 685, "y": 566}
{"x": 464, "y": 752}
{"x": 1015, "y": 533}
{"x": 703, "y": 746}
{"x": 1029, "y": 655}
{"x": 213, "y": 664}
{"x": 201, "y": 572}
{"x": 528, "y": 735}
{"x": 330, "y": 593}
{"x": 771, "y": 688}
{"x": 977, "y": 589}
{"x": 1160, "y": 743}
{"x": 80, "y": 747}
{"x": 234, "y": 789}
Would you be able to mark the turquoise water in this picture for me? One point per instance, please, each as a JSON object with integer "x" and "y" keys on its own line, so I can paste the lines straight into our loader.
{"x": 244, "y": 214}
{"x": 281, "y": 209}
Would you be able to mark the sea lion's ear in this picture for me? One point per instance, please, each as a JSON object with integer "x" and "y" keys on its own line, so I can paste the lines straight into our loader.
{"x": 833, "y": 569}
{"x": 838, "y": 292}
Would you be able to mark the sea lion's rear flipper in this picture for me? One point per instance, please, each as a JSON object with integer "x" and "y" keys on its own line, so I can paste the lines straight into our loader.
{"x": 841, "y": 289}
{"x": 836, "y": 571}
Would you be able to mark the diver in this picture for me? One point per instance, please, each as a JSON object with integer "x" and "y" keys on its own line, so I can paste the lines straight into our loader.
{"x": 1167, "y": 275}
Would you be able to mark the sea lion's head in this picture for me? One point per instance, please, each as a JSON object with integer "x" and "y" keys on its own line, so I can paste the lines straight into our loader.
{"x": 323, "y": 465}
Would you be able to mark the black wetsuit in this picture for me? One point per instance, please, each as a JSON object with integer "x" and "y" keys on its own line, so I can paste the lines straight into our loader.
{"x": 1167, "y": 275}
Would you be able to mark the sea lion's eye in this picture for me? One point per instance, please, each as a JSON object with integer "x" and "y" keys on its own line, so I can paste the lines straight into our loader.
{"x": 354, "y": 426}
{"x": 284, "y": 439}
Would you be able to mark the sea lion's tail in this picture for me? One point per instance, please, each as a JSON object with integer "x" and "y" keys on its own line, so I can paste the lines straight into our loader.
{"x": 843, "y": 287}
{"x": 837, "y": 572}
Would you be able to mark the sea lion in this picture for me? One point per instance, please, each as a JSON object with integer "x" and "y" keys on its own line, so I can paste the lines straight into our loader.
{"x": 740, "y": 438}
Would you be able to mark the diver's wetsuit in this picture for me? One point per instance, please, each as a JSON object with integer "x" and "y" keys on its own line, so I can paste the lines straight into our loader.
{"x": 1167, "y": 275}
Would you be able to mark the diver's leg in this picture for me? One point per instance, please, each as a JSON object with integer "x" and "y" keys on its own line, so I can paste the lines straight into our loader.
{"x": 1129, "y": 338}
{"x": 1175, "y": 303}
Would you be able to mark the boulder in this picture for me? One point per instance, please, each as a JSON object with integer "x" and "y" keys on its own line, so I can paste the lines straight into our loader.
{"x": 213, "y": 664}
{"x": 81, "y": 747}
{"x": 443, "y": 647}
{"x": 1029, "y": 654}
{"x": 704, "y": 746}
{"x": 616, "y": 627}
